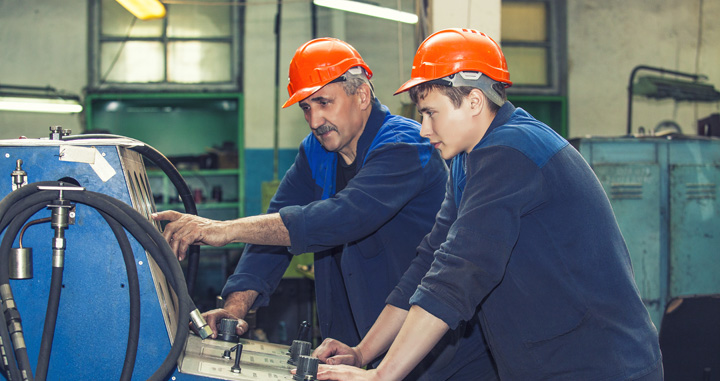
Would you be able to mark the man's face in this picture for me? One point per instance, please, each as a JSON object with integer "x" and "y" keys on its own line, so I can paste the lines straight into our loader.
{"x": 448, "y": 128}
{"x": 334, "y": 118}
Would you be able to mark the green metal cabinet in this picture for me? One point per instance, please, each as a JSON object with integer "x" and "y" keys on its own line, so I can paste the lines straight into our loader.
{"x": 664, "y": 192}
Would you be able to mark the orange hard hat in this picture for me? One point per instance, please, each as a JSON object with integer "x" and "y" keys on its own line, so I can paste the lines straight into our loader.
{"x": 317, "y": 63}
{"x": 451, "y": 51}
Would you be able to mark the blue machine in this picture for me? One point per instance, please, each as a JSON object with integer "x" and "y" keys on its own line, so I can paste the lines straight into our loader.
{"x": 91, "y": 334}
{"x": 664, "y": 192}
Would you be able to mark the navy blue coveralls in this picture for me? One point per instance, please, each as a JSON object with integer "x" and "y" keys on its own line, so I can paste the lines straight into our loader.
{"x": 526, "y": 240}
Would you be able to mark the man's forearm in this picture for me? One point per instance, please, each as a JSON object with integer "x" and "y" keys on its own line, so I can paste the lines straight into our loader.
{"x": 381, "y": 335}
{"x": 266, "y": 229}
{"x": 239, "y": 303}
{"x": 418, "y": 335}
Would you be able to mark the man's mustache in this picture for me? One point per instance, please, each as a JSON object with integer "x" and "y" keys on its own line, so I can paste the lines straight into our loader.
{"x": 325, "y": 128}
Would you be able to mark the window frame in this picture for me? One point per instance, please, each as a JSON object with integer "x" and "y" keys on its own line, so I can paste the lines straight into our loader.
{"x": 556, "y": 46}
{"x": 94, "y": 57}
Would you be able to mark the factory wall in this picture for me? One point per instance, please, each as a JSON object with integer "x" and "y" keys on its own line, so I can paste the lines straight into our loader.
{"x": 42, "y": 43}
{"x": 45, "y": 43}
{"x": 608, "y": 38}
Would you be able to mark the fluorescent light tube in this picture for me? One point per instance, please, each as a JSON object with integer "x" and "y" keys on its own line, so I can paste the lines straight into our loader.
{"x": 60, "y": 106}
{"x": 369, "y": 10}
{"x": 144, "y": 9}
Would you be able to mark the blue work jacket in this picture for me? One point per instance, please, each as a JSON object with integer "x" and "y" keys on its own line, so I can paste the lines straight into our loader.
{"x": 526, "y": 241}
{"x": 378, "y": 220}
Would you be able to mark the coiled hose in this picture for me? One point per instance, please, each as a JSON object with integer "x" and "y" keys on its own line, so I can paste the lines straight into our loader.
{"x": 19, "y": 206}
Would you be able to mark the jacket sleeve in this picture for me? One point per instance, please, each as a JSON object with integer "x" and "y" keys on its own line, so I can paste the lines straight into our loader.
{"x": 391, "y": 176}
{"x": 502, "y": 186}
{"x": 261, "y": 267}
{"x": 400, "y": 296}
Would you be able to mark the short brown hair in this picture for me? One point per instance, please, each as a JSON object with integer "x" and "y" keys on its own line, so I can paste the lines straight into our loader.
{"x": 456, "y": 94}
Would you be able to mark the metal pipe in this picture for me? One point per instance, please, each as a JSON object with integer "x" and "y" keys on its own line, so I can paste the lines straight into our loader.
{"x": 695, "y": 77}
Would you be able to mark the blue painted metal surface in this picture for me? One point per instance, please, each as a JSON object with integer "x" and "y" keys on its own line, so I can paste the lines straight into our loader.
{"x": 92, "y": 328}
{"x": 665, "y": 195}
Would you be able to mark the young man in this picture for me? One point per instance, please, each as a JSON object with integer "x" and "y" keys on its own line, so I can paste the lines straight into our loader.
{"x": 525, "y": 240}
{"x": 363, "y": 191}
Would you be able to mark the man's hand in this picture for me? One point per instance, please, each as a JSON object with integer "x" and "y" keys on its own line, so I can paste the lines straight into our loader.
{"x": 187, "y": 229}
{"x": 346, "y": 373}
{"x": 213, "y": 317}
{"x": 236, "y": 306}
{"x": 333, "y": 352}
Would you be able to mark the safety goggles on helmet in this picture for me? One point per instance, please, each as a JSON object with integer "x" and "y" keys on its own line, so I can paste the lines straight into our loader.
{"x": 472, "y": 79}
{"x": 356, "y": 71}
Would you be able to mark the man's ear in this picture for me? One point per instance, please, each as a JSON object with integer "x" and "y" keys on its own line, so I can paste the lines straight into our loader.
{"x": 477, "y": 101}
{"x": 364, "y": 95}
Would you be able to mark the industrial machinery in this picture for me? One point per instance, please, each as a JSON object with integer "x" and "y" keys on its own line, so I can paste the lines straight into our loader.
{"x": 89, "y": 289}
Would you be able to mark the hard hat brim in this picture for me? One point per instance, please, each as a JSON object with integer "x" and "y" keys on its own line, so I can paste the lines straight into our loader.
{"x": 411, "y": 83}
{"x": 301, "y": 94}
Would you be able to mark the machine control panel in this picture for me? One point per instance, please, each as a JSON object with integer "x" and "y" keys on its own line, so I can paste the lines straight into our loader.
{"x": 258, "y": 360}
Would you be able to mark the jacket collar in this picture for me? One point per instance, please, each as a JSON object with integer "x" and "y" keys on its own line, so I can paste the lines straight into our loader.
{"x": 372, "y": 126}
{"x": 502, "y": 117}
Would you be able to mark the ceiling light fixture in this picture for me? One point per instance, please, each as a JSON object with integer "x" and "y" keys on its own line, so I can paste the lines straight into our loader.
{"x": 369, "y": 10}
{"x": 144, "y": 9}
{"x": 38, "y": 99}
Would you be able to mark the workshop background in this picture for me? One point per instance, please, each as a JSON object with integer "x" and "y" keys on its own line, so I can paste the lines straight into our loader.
{"x": 204, "y": 86}
{"x": 596, "y": 44}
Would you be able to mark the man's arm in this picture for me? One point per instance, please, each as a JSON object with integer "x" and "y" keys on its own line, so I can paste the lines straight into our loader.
{"x": 374, "y": 344}
{"x": 418, "y": 335}
{"x": 187, "y": 229}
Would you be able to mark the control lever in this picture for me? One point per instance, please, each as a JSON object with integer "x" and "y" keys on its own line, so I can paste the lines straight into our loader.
{"x": 236, "y": 368}
{"x": 227, "y": 355}
{"x": 304, "y": 331}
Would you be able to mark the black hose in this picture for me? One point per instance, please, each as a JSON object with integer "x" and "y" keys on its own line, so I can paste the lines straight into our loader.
{"x": 151, "y": 239}
{"x": 11, "y": 371}
{"x": 20, "y": 212}
{"x": 134, "y": 288}
{"x": 139, "y": 227}
{"x": 11, "y": 313}
{"x": 51, "y": 314}
{"x": 176, "y": 179}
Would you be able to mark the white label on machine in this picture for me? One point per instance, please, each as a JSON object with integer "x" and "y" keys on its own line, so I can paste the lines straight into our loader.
{"x": 88, "y": 155}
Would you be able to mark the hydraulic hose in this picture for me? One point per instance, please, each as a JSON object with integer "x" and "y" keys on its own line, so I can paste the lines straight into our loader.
{"x": 9, "y": 366}
{"x": 134, "y": 288}
{"x": 139, "y": 227}
{"x": 175, "y": 178}
{"x": 18, "y": 366}
{"x": 54, "y": 301}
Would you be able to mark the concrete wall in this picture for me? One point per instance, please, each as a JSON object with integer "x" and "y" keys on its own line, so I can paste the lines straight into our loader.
{"x": 608, "y": 38}
{"x": 42, "y": 43}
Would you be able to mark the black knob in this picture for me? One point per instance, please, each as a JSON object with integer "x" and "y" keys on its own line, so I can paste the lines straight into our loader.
{"x": 226, "y": 330}
{"x": 307, "y": 368}
{"x": 298, "y": 348}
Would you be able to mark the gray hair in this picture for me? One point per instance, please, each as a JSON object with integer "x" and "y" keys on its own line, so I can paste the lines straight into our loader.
{"x": 353, "y": 79}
